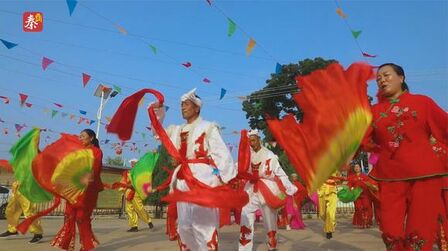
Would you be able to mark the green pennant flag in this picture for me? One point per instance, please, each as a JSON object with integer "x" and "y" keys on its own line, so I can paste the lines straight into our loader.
{"x": 143, "y": 135}
{"x": 23, "y": 153}
{"x": 232, "y": 27}
{"x": 53, "y": 113}
{"x": 117, "y": 88}
{"x": 356, "y": 34}
{"x": 153, "y": 48}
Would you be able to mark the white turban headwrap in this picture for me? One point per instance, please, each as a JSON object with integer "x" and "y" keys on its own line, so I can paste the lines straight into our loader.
{"x": 191, "y": 95}
{"x": 133, "y": 160}
{"x": 253, "y": 132}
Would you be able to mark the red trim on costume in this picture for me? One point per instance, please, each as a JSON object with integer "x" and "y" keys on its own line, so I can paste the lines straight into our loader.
{"x": 272, "y": 240}
{"x": 213, "y": 243}
{"x": 243, "y": 231}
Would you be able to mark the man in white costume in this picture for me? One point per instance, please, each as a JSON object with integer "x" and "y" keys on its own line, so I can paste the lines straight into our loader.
{"x": 210, "y": 162}
{"x": 266, "y": 192}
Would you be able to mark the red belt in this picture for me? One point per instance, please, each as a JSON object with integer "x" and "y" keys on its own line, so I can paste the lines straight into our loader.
{"x": 180, "y": 174}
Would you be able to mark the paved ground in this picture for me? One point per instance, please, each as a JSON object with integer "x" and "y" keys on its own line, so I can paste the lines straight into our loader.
{"x": 113, "y": 236}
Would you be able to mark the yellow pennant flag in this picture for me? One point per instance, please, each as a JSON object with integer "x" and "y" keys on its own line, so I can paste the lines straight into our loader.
{"x": 121, "y": 29}
{"x": 108, "y": 119}
{"x": 250, "y": 46}
{"x": 341, "y": 13}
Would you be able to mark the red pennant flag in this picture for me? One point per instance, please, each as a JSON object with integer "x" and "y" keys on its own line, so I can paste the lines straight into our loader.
{"x": 58, "y": 105}
{"x": 85, "y": 79}
{"x": 187, "y": 64}
{"x": 28, "y": 105}
{"x": 46, "y": 62}
{"x": 19, "y": 127}
{"x": 23, "y": 98}
{"x": 81, "y": 119}
{"x": 368, "y": 55}
{"x": 5, "y": 99}
{"x": 206, "y": 80}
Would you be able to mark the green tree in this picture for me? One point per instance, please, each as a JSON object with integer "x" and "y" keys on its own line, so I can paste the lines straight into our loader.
{"x": 116, "y": 161}
{"x": 275, "y": 100}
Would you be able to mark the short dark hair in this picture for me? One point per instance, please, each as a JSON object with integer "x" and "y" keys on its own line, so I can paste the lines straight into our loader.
{"x": 400, "y": 72}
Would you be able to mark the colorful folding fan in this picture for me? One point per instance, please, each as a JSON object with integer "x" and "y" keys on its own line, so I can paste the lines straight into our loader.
{"x": 23, "y": 153}
{"x": 61, "y": 167}
{"x": 336, "y": 117}
{"x": 348, "y": 195}
{"x": 141, "y": 174}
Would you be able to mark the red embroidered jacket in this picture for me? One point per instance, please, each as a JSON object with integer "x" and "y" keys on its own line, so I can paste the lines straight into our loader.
{"x": 400, "y": 133}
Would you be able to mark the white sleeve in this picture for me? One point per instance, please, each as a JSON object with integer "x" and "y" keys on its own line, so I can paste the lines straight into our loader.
{"x": 291, "y": 189}
{"x": 221, "y": 155}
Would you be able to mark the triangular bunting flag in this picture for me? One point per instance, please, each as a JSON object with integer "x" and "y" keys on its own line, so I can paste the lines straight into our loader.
{"x": 28, "y": 105}
{"x": 46, "y": 110}
{"x": 232, "y": 27}
{"x": 58, "y": 105}
{"x": 250, "y": 46}
{"x": 71, "y": 5}
{"x": 72, "y": 116}
{"x": 341, "y": 13}
{"x": 108, "y": 119}
{"x": 8, "y": 44}
{"x": 206, "y": 80}
{"x": 167, "y": 108}
{"x": 121, "y": 29}
{"x": 23, "y": 98}
{"x": 92, "y": 121}
{"x": 53, "y": 113}
{"x": 46, "y": 62}
{"x": 64, "y": 114}
{"x": 5, "y": 99}
{"x": 85, "y": 79}
{"x": 153, "y": 48}
{"x": 209, "y": 2}
{"x": 278, "y": 68}
{"x": 223, "y": 93}
{"x": 19, "y": 127}
{"x": 368, "y": 55}
{"x": 187, "y": 64}
{"x": 117, "y": 88}
{"x": 356, "y": 34}
{"x": 81, "y": 119}
{"x": 2, "y": 121}
{"x": 83, "y": 112}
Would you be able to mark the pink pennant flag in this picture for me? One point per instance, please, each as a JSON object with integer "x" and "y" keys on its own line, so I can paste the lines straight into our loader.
{"x": 19, "y": 127}
{"x": 72, "y": 116}
{"x": 5, "y": 99}
{"x": 206, "y": 80}
{"x": 58, "y": 105}
{"x": 367, "y": 55}
{"x": 187, "y": 64}
{"x": 5, "y": 131}
{"x": 250, "y": 46}
{"x": 81, "y": 119}
{"x": 23, "y": 98}
{"x": 28, "y": 105}
{"x": 85, "y": 79}
{"x": 46, "y": 62}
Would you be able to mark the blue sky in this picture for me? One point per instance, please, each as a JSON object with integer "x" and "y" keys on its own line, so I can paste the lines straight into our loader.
{"x": 413, "y": 34}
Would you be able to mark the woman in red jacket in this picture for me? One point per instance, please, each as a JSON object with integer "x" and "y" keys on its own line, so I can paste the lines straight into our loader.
{"x": 81, "y": 212}
{"x": 363, "y": 215}
{"x": 408, "y": 171}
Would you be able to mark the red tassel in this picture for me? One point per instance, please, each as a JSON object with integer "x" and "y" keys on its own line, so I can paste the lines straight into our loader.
{"x": 24, "y": 225}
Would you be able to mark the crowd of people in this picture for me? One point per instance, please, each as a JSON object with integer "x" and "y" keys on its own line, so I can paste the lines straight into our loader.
{"x": 406, "y": 177}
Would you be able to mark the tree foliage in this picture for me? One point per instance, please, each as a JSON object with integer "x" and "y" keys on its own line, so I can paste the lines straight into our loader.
{"x": 116, "y": 161}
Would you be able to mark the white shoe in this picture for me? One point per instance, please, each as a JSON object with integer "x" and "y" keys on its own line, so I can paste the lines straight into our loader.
{"x": 288, "y": 228}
